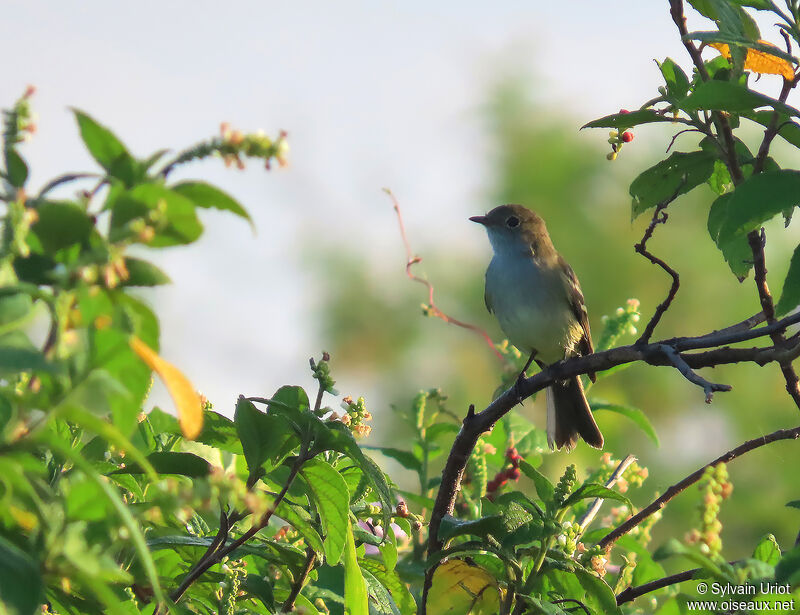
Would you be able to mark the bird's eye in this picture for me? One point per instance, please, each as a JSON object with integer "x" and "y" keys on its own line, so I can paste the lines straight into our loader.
{"x": 512, "y": 222}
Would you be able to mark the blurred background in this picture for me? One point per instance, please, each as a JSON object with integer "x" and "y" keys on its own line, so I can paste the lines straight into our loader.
{"x": 456, "y": 109}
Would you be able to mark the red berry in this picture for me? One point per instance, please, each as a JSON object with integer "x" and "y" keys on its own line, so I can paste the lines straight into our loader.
{"x": 627, "y": 136}
{"x": 512, "y": 453}
{"x": 624, "y": 111}
{"x": 513, "y": 473}
{"x": 491, "y": 486}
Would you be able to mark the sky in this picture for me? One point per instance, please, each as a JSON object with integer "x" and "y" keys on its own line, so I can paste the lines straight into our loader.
{"x": 372, "y": 95}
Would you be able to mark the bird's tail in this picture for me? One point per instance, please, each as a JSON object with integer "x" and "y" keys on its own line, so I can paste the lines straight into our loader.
{"x": 569, "y": 416}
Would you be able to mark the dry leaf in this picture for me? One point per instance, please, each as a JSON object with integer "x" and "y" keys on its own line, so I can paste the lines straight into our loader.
{"x": 760, "y": 61}
{"x": 187, "y": 401}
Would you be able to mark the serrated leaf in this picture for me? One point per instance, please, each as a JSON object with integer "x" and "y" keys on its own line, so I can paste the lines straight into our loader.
{"x": 184, "y": 395}
{"x": 451, "y": 527}
{"x": 206, "y": 195}
{"x": 767, "y": 550}
{"x": 716, "y": 95}
{"x": 596, "y": 490}
{"x": 332, "y": 500}
{"x": 680, "y": 173}
{"x": 107, "y": 149}
{"x": 544, "y": 488}
{"x": 634, "y": 414}
{"x": 623, "y": 121}
{"x": 355, "y": 590}
{"x": 676, "y": 80}
{"x": 170, "y": 462}
{"x": 263, "y": 436}
{"x": 790, "y": 295}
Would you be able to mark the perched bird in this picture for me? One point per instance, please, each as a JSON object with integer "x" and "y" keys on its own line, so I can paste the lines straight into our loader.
{"x": 537, "y": 300}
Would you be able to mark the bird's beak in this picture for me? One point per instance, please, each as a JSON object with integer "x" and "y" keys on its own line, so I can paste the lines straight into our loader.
{"x": 479, "y": 219}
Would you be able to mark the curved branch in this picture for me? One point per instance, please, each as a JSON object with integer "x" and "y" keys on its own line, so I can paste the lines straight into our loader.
{"x": 631, "y": 593}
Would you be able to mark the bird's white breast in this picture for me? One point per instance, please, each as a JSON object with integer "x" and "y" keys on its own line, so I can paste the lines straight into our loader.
{"x": 531, "y": 306}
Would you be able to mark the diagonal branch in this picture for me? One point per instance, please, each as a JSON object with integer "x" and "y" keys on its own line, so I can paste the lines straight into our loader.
{"x": 631, "y": 593}
{"x": 598, "y": 502}
{"x": 432, "y": 309}
{"x": 671, "y": 492}
{"x": 686, "y": 371}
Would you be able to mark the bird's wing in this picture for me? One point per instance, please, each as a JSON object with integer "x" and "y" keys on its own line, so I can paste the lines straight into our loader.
{"x": 487, "y": 299}
{"x": 578, "y": 307}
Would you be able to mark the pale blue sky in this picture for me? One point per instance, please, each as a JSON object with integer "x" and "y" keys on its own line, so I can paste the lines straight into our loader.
{"x": 372, "y": 95}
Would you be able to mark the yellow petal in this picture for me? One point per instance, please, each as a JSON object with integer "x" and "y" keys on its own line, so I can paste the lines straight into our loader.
{"x": 187, "y": 401}
{"x": 760, "y": 61}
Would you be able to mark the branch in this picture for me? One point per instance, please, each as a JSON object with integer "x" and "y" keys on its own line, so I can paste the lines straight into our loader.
{"x": 671, "y": 492}
{"x": 659, "y": 217}
{"x": 598, "y": 502}
{"x": 631, "y": 593}
{"x": 432, "y": 309}
{"x": 222, "y": 551}
{"x": 474, "y": 424}
{"x": 311, "y": 558}
{"x": 686, "y": 371}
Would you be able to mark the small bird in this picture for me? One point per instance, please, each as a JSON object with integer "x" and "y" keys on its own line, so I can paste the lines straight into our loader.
{"x": 537, "y": 300}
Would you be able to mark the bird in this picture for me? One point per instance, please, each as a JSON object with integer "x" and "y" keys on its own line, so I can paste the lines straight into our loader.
{"x": 537, "y": 300}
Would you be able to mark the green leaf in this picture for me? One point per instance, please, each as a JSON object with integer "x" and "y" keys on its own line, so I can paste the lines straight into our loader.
{"x": 767, "y": 550}
{"x": 143, "y": 273}
{"x": 332, "y": 500}
{"x": 175, "y": 216}
{"x": 793, "y": 504}
{"x": 595, "y": 490}
{"x": 788, "y": 569}
{"x": 599, "y": 595}
{"x": 623, "y": 121}
{"x": 256, "y": 586}
{"x": 18, "y": 354}
{"x": 790, "y": 296}
{"x": 544, "y": 488}
{"x": 676, "y": 80}
{"x": 789, "y": 130}
{"x": 21, "y": 586}
{"x": 168, "y": 462}
{"x": 206, "y": 195}
{"x": 300, "y": 520}
{"x": 61, "y": 224}
{"x": 451, "y": 527}
{"x": 268, "y": 550}
{"x": 16, "y": 168}
{"x": 728, "y": 96}
{"x": 680, "y": 173}
{"x": 720, "y": 180}
{"x": 107, "y": 149}
{"x": 393, "y": 583}
{"x": 263, "y": 436}
{"x": 84, "y": 499}
{"x": 735, "y": 250}
{"x": 756, "y": 200}
{"x": 355, "y": 590}
{"x": 406, "y": 458}
{"x": 634, "y": 414}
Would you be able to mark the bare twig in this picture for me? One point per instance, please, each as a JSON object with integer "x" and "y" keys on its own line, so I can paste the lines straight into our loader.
{"x": 311, "y": 558}
{"x": 598, "y": 502}
{"x": 686, "y": 371}
{"x": 631, "y": 593}
{"x": 432, "y": 309}
{"x": 659, "y": 217}
{"x": 671, "y": 492}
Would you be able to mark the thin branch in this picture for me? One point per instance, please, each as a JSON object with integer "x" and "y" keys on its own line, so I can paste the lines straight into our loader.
{"x": 686, "y": 371}
{"x": 659, "y": 217}
{"x": 311, "y": 558}
{"x": 474, "y": 424}
{"x": 631, "y": 593}
{"x": 432, "y": 309}
{"x": 221, "y": 552}
{"x": 671, "y": 492}
{"x": 598, "y": 502}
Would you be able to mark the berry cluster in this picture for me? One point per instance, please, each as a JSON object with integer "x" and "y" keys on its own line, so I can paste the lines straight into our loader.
{"x": 617, "y": 140}
{"x": 715, "y": 487}
{"x": 511, "y": 472}
{"x": 354, "y": 416}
